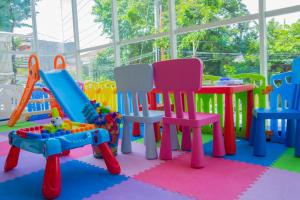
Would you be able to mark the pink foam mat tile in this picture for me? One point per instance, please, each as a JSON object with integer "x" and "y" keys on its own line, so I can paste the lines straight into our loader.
{"x": 131, "y": 164}
{"x": 81, "y": 152}
{"x": 220, "y": 179}
{"x": 275, "y": 184}
{"x": 134, "y": 189}
{"x": 4, "y": 148}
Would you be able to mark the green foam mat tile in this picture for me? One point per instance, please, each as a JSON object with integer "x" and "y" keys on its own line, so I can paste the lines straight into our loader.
{"x": 17, "y": 126}
{"x": 288, "y": 161}
{"x": 205, "y": 139}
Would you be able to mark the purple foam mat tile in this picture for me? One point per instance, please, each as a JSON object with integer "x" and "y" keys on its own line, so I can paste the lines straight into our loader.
{"x": 131, "y": 164}
{"x": 134, "y": 189}
{"x": 28, "y": 163}
{"x": 275, "y": 184}
{"x": 43, "y": 121}
{"x": 3, "y": 138}
{"x": 4, "y": 134}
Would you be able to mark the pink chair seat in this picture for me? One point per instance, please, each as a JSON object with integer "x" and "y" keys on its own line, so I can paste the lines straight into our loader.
{"x": 200, "y": 120}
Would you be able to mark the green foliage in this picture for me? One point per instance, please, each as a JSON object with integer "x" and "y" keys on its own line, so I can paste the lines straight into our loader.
{"x": 13, "y": 14}
{"x": 224, "y": 50}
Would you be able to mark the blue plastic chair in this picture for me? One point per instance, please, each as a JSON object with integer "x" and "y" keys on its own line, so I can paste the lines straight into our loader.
{"x": 290, "y": 111}
{"x": 281, "y": 96}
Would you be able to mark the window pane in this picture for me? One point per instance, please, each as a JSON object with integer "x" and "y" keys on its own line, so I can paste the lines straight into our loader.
{"x": 94, "y": 22}
{"x": 226, "y": 50}
{"x": 146, "y": 52}
{"x": 54, "y": 27}
{"x": 276, "y": 4}
{"x": 195, "y": 12}
{"x": 97, "y": 65}
{"x": 135, "y": 18}
{"x": 283, "y": 41}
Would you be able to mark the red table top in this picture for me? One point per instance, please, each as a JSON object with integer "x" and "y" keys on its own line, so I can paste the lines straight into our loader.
{"x": 215, "y": 89}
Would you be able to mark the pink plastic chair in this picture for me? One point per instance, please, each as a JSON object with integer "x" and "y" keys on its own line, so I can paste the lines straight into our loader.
{"x": 185, "y": 76}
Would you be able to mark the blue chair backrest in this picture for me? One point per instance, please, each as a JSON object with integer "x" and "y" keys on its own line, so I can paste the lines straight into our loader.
{"x": 296, "y": 81}
{"x": 285, "y": 95}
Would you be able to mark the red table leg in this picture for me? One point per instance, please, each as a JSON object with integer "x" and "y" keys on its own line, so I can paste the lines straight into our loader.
{"x": 136, "y": 129}
{"x": 52, "y": 179}
{"x": 250, "y": 105}
{"x": 156, "y": 127}
{"x": 229, "y": 132}
{"x": 12, "y": 158}
{"x": 111, "y": 162}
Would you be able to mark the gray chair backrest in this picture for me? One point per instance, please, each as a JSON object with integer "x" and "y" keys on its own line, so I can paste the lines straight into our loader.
{"x": 137, "y": 80}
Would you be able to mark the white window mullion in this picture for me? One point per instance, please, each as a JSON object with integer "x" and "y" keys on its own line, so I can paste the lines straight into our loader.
{"x": 263, "y": 38}
{"x": 34, "y": 27}
{"x": 115, "y": 31}
{"x": 172, "y": 27}
{"x": 76, "y": 38}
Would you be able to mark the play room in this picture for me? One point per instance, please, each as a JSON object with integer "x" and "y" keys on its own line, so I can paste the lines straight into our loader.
{"x": 150, "y": 99}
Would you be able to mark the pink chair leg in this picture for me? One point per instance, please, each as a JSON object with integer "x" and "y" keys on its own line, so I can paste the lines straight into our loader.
{"x": 197, "y": 160}
{"x": 186, "y": 138}
{"x": 166, "y": 149}
{"x": 218, "y": 142}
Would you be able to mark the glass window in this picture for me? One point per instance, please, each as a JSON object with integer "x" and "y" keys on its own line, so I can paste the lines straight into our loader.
{"x": 55, "y": 30}
{"x": 135, "y": 18}
{"x": 146, "y": 52}
{"x": 97, "y": 65}
{"x": 226, "y": 50}
{"x": 283, "y": 41}
{"x": 15, "y": 39}
{"x": 275, "y": 4}
{"x": 195, "y": 12}
{"x": 94, "y": 22}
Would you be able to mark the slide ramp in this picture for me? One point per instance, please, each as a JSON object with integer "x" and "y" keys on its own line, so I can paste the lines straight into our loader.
{"x": 66, "y": 92}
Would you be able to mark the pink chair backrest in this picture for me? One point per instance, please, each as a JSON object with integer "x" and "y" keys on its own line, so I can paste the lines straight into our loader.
{"x": 179, "y": 76}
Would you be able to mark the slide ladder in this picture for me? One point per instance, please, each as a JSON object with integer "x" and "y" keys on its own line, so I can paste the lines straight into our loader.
{"x": 33, "y": 78}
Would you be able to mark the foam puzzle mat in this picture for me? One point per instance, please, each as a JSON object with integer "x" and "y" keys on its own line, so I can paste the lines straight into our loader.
{"x": 241, "y": 176}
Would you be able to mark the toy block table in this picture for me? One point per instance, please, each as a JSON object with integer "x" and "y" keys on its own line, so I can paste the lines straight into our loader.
{"x": 228, "y": 91}
{"x": 54, "y": 144}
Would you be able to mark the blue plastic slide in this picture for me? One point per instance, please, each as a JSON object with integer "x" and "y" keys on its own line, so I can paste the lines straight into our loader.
{"x": 65, "y": 90}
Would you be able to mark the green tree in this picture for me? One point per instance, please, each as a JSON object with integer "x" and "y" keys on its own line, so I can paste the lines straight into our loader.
{"x": 283, "y": 44}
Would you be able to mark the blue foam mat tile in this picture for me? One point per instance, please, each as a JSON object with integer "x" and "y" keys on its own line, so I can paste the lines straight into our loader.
{"x": 79, "y": 180}
{"x": 244, "y": 153}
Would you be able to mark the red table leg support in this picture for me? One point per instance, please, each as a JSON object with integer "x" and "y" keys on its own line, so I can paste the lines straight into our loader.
{"x": 136, "y": 130}
{"x": 156, "y": 127}
{"x": 52, "y": 179}
{"x": 12, "y": 158}
{"x": 229, "y": 132}
{"x": 250, "y": 105}
{"x": 111, "y": 162}
{"x": 65, "y": 153}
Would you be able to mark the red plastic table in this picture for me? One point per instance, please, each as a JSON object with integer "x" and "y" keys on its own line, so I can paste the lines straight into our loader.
{"x": 228, "y": 91}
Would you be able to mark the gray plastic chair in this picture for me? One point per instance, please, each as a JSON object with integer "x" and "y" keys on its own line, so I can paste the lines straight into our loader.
{"x": 137, "y": 80}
